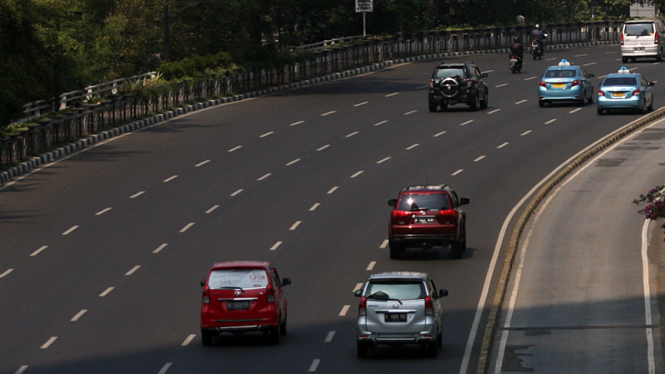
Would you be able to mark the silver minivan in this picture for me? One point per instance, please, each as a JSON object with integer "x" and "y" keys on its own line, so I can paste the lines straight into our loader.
{"x": 399, "y": 308}
{"x": 642, "y": 38}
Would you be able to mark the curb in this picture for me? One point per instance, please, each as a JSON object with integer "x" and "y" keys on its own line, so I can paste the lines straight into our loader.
{"x": 490, "y": 329}
{"x": 27, "y": 166}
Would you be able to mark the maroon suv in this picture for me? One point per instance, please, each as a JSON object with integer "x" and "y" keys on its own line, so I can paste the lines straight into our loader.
{"x": 425, "y": 216}
{"x": 243, "y": 296}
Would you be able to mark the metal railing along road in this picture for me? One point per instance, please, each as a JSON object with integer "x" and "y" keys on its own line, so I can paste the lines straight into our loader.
{"x": 80, "y": 119}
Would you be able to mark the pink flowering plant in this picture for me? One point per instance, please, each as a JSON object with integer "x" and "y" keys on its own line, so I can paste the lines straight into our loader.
{"x": 655, "y": 203}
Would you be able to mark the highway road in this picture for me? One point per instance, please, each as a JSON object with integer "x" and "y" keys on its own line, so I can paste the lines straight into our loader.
{"x": 102, "y": 252}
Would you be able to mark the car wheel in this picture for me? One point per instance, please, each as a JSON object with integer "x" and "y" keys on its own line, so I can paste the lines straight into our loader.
{"x": 439, "y": 340}
{"x": 395, "y": 250}
{"x": 432, "y": 349}
{"x": 582, "y": 101}
{"x": 644, "y": 109}
{"x": 541, "y": 103}
{"x": 486, "y": 100}
{"x": 601, "y": 111}
{"x": 274, "y": 335}
{"x": 659, "y": 58}
{"x": 206, "y": 338}
{"x": 476, "y": 103}
{"x": 282, "y": 327}
{"x": 432, "y": 107}
{"x": 624, "y": 59}
{"x": 590, "y": 100}
{"x": 362, "y": 350}
{"x": 458, "y": 248}
{"x": 651, "y": 105}
{"x": 444, "y": 107}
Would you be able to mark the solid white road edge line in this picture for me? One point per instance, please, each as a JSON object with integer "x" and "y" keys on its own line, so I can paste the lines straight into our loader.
{"x": 647, "y": 297}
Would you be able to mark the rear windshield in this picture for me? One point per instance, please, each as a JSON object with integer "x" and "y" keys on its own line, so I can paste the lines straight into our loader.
{"x": 560, "y": 73}
{"x": 639, "y": 29}
{"x": 416, "y": 202}
{"x": 449, "y": 72}
{"x": 396, "y": 290}
{"x": 622, "y": 81}
{"x": 238, "y": 278}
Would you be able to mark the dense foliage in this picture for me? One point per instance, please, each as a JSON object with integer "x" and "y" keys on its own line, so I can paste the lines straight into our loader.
{"x": 53, "y": 46}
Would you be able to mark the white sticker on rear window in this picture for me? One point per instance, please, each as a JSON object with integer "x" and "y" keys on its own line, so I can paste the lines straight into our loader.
{"x": 238, "y": 278}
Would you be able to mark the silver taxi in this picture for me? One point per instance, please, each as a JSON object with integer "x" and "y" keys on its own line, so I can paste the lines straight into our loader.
{"x": 399, "y": 308}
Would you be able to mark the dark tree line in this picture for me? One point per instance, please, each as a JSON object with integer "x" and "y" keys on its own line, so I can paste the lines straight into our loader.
{"x": 51, "y": 46}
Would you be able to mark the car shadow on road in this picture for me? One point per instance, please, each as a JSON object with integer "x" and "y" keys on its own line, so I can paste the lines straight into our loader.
{"x": 436, "y": 253}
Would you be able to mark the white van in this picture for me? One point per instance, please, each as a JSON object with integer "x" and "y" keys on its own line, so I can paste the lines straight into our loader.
{"x": 642, "y": 38}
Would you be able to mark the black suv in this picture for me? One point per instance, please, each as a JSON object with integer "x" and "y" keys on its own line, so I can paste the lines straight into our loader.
{"x": 458, "y": 83}
{"x": 425, "y": 216}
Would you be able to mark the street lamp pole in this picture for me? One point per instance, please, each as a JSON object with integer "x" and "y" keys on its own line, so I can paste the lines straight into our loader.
{"x": 166, "y": 32}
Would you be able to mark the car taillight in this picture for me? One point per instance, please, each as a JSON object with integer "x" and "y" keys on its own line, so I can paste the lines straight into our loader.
{"x": 270, "y": 294}
{"x": 362, "y": 307}
{"x": 543, "y": 84}
{"x": 429, "y": 308}
{"x": 601, "y": 93}
{"x": 655, "y": 39}
{"x": 452, "y": 213}
{"x": 431, "y": 83}
{"x": 636, "y": 93}
{"x": 575, "y": 83}
{"x": 206, "y": 295}
{"x": 621, "y": 38}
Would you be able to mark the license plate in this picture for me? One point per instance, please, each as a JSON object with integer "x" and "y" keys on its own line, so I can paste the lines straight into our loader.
{"x": 618, "y": 94}
{"x": 638, "y": 48}
{"x": 425, "y": 220}
{"x": 395, "y": 317}
{"x": 558, "y": 85}
{"x": 238, "y": 305}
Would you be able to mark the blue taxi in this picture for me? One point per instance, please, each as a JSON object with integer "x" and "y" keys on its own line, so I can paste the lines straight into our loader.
{"x": 565, "y": 83}
{"x": 625, "y": 90}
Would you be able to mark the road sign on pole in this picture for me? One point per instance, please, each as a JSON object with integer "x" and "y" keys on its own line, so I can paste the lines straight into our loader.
{"x": 364, "y": 6}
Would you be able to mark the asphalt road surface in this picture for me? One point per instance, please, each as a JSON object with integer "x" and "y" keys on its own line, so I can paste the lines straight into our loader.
{"x": 102, "y": 253}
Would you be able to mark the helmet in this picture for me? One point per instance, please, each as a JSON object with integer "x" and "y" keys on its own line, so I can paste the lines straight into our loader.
{"x": 537, "y": 25}
{"x": 516, "y": 40}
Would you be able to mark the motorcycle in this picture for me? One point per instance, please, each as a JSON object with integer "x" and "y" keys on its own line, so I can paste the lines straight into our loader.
{"x": 536, "y": 52}
{"x": 515, "y": 63}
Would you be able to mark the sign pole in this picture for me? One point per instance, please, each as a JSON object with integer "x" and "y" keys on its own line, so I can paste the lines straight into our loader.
{"x": 364, "y": 29}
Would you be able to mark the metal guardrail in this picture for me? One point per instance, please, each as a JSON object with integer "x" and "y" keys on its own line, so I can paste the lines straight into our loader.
{"x": 328, "y": 43}
{"x": 81, "y": 120}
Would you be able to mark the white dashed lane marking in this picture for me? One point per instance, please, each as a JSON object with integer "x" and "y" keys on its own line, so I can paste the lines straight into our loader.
{"x": 137, "y": 194}
{"x": 264, "y": 177}
{"x": 383, "y": 160}
{"x": 295, "y": 225}
{"x": 188, "y": 340}
{"x": 575, "y": 110}
{"x": 344, "y": 310}
{"x": 170, "y": 179}
{"x": 315, "y": 364}
{"x": 235, "y": 148}
{"x": 501, "y": 85}
{"x": 212, "y": 209}
{"x": 525, "y": 133}
{"x": 503, "y": 145}
{"x": 584, "y": 54}
{"x": 267, "y": 134}
{"x": 479, "y": 158}
{"x": 357, "y": 287}
{"x": 392, "y": 94}
{"x": 411, "y": 112}
{"x": 352, "y": 134}
{"x": 494, "y": 111}
{"x": 21, "y": 369}
{"x": 332, "y": 190}
{"x": 324, "y": 147}
{"x": 296, "y": 123}
{"x": 275, "y": 246}
{"x": 329, "y": 337}
{"x": 102, "y": 211}
{"x": 159, "y": 249}
{"x": 550, "y": 121}
{"x": 293, "y": 162}
{"x": 78, "y": 315}
{"x": 6, "y": 273}
{"x": 371, "y": 265}
{"x": 108, "y": 291}
{"x": 530, "y": 78}
{"x": 412, "y": 147}
{"x": 237, "y": 192}
{"x": 201, "y": 163}
{"x": 363, "y": 103}
{"x": 357, "y": 174}
{"x": 439, "y": 134}
{"x": 384, "y": 244}
{"x": 133, "y": 270}
{"x": 589, "y": 64}
{"x": 49, "y": 342}
{"x": 165, "y": 368}
{"x": 521, "y": 101}
{"x": 457, "y": 172}
{"x": 313, "y": 208}
{"x": 329, "y": 113}
{"x": 35, "y": 253}
{"x": 380, "y": 123}
{"x": 466, "y": 123}
{"x": 70, "y": 230}
{"x": 187, "y": 227}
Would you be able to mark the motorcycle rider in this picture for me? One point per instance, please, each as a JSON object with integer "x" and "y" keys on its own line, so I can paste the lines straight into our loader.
{"x": 538, "y": 35}
{"x": 517, "y": 48}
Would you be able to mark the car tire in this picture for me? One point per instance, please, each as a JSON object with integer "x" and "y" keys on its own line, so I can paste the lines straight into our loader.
{"x": 444, "y": 107}
{"x": 458, "y": 248}
{"x": 432, "y": 349}
{"x": 582, "y": 101}
{"x": 362, "y": 350}
{"x": 541, "y": 103}
{"x": 590, "y": 100}
{"x": 395, "y": 250}
{"x": 659, "y": 58}
{"x": 275, "y": 335}
{"x": 439, "y": 340}
{"x": 624, "y": 59}
{"x": 282, "y": 327}
{"x": 644, "y": 108}
{"x": 650, "y": 105}
{"x": 476, "y": 103}
{"x": 206, "y": 338}
{"x": 601, "y": 111}
{"x": 486, "y": 100}
{"x": 432, "y": 107}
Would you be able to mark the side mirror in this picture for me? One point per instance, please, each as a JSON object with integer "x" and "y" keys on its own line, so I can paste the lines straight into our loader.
{"x": 286, "y": 281}
{"x": 652, "y": 83}
{"x": 443, "y": 292}
{"x": 358, "y": 293}
{"x": 464, "y": 201}
{"x": 203, "y": 283}
{"x": 392, "y": 202}
{"x": 591, "y": 75}
{"x": 484, "y": 75}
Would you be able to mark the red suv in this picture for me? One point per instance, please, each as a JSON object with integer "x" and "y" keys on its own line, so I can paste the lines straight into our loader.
{"x": 243, "y": 296}
{"x": 425, "y": 216}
